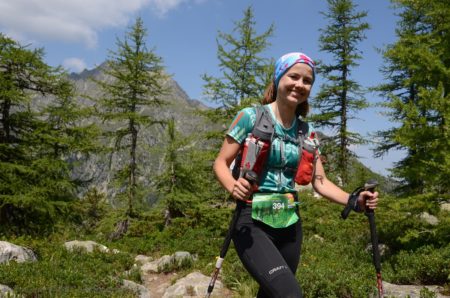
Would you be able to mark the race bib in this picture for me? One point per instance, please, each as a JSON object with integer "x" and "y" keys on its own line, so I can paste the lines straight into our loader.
{"x": 275, "y": 209}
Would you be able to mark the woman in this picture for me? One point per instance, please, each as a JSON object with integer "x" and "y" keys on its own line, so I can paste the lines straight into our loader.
{"x": 271, "y": 253}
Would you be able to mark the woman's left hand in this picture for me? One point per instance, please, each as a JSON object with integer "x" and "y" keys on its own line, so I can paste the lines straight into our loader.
{"x": 368, "y": 199}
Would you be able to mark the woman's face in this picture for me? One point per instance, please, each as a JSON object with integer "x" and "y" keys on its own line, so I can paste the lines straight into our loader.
{"x": 295, "y": 85}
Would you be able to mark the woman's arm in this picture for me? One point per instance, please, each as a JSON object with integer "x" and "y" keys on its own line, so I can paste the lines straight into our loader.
{"x": 239, "y": 189}
{"x": 334, "y": 193}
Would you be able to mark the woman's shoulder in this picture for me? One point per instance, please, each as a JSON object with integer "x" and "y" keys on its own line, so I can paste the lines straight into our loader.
{"x": 249, "y": 113}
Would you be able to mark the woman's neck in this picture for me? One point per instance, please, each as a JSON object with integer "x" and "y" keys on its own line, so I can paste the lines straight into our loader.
{"x": 284, "y": 114}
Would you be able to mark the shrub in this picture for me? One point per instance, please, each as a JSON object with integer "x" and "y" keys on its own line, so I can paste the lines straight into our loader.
{"x": 427, "y": 265}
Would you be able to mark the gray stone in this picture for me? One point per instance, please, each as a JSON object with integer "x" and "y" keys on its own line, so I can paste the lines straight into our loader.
{"x": 6, "y": 291}
{"x": 194, "y": 284}
{"x": 11, "y": 252}
{"x": 141, "y": 259}
{"x": 408, "y": 291}
{"x": 445, "y": 207}
{"x": 150, "y": 267}
{"x": 382, "y": 248}
{"x": 318, "y": 238}
{"x": 182, "y": 257}
{"x": 88, "y": 246}
{"x": 142, "y": 291}
{"x": 162, "y": 264}
{"x": 430, "y": 219}
{"x": 165, "y": 263}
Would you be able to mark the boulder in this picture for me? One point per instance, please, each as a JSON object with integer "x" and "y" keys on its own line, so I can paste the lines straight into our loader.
{"x": 140, "y": 290}
{"x": 430, "y": 219}
{"x": 382, "y": 248}
{"x": 167, "y": 263}
{"x": 181, "y": 258}
{"x": 6, "y": 291}
{"x": 141, "y": 259}
{"x": 445, "y": 207}
{"x": 88, "y": 246}
{"x": 408, "y": 291}
{"x": 194, "y": 284}
{"x": 11, "y": 252}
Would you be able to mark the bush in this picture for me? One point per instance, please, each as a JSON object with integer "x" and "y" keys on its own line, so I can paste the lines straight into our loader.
{"x": 426, "y": 265}
{"x": 59, "y": 273}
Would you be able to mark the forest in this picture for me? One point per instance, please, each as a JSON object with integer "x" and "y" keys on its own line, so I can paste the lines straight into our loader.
{"x": 128, "y": 166}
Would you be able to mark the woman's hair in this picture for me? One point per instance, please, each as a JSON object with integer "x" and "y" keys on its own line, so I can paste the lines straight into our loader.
{"x": 270, "y": 95}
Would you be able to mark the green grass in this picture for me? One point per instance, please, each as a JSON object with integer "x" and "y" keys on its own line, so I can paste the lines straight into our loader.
{"x": 337, "y": 266}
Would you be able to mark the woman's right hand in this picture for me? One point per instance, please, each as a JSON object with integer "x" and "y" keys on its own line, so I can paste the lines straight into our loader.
{"x": 242, "y": 189}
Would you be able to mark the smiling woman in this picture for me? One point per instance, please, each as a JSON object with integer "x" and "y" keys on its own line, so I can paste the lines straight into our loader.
{"x": 268, "y": 230}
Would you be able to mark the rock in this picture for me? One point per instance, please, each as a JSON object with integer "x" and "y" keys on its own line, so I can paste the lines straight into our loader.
{"x": 88, "y": 246}
{"x": 408, "y": 291}
{"x": 318, "y": 238}
{"x": 6, "y": 291}
{"x": 141, "y": 259}
{"x": 11, "y": 252}
{"x": 445, "y": 207}
{"x": 382, "y": 248}
{"x": 142, "y": 291}
{"x": 193, "y": 285}
{"x": 181, "y": 258}
{"x": 150, "y": 267}
{"x": 167, "y": 263}
{"x": 428, "y": 218}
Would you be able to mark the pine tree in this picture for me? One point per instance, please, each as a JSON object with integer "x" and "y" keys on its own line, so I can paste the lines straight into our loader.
{"x": 417, "y": 98}
{"x": 137, "y": 82}
{"x": 183, "y": 184}
{"x": 341, "y": 96}
{"x": 35, "y": 183}
{"x": 245, "y": 73}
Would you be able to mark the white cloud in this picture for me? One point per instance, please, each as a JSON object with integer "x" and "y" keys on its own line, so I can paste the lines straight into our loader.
{"x": 163, "y": 6}
{"x": 75, "y": 20}
{"x": 74, "y": 64}
{"x": 61, "y": 20}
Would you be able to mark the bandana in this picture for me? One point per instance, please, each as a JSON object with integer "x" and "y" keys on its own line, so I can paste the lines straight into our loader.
{"x": 287, "y": 61}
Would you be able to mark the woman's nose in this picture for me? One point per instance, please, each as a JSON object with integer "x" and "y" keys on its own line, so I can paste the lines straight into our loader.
{"x": 299, "y": 84}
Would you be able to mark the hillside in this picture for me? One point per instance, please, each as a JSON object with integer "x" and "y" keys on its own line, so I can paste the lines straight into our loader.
{"x": 96, "y": 169}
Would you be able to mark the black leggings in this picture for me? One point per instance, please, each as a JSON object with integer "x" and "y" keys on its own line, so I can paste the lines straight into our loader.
{"x": 270, "y": 255}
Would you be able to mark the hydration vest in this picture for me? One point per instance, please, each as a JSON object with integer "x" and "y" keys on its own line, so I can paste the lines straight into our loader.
{"x": 256, "y": 149}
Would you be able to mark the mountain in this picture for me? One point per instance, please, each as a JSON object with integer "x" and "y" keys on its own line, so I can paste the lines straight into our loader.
{"x": 99, "y": 168}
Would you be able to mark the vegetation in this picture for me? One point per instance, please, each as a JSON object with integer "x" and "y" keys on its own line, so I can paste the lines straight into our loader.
{"x": 138, "y": 82}
{"x": 417, "y": 96}
{"x": 341, "y": 96}
{"x": 245, "y": 72}
{"x": 335, "y": 261}
{"x": 39, "y": 207}
{"x": 36, "y": 187}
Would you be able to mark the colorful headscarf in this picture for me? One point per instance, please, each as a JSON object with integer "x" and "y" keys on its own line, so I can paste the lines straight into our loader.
{"x": 286, "y": 62}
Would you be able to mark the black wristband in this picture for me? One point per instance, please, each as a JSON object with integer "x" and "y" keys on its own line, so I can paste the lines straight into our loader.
{"x": 353, "y": 201}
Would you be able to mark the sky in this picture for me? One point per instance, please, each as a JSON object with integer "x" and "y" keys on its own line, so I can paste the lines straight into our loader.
{"x": 79, "y": 34}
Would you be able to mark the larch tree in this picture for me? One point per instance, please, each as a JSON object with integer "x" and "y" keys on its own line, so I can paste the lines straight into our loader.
{"x": 340, "y": 97}
{"x": 36, "y": 187}
{"x": 417, "y": 97}
{"x": 245, "y": 72}
{"x": 137, "y": 82}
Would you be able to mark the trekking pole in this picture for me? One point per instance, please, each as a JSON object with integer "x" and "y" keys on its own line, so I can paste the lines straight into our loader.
{"x": 370, "y": 186}
{"x": 353, "y": 203}
{"x": 251, "y": 177}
